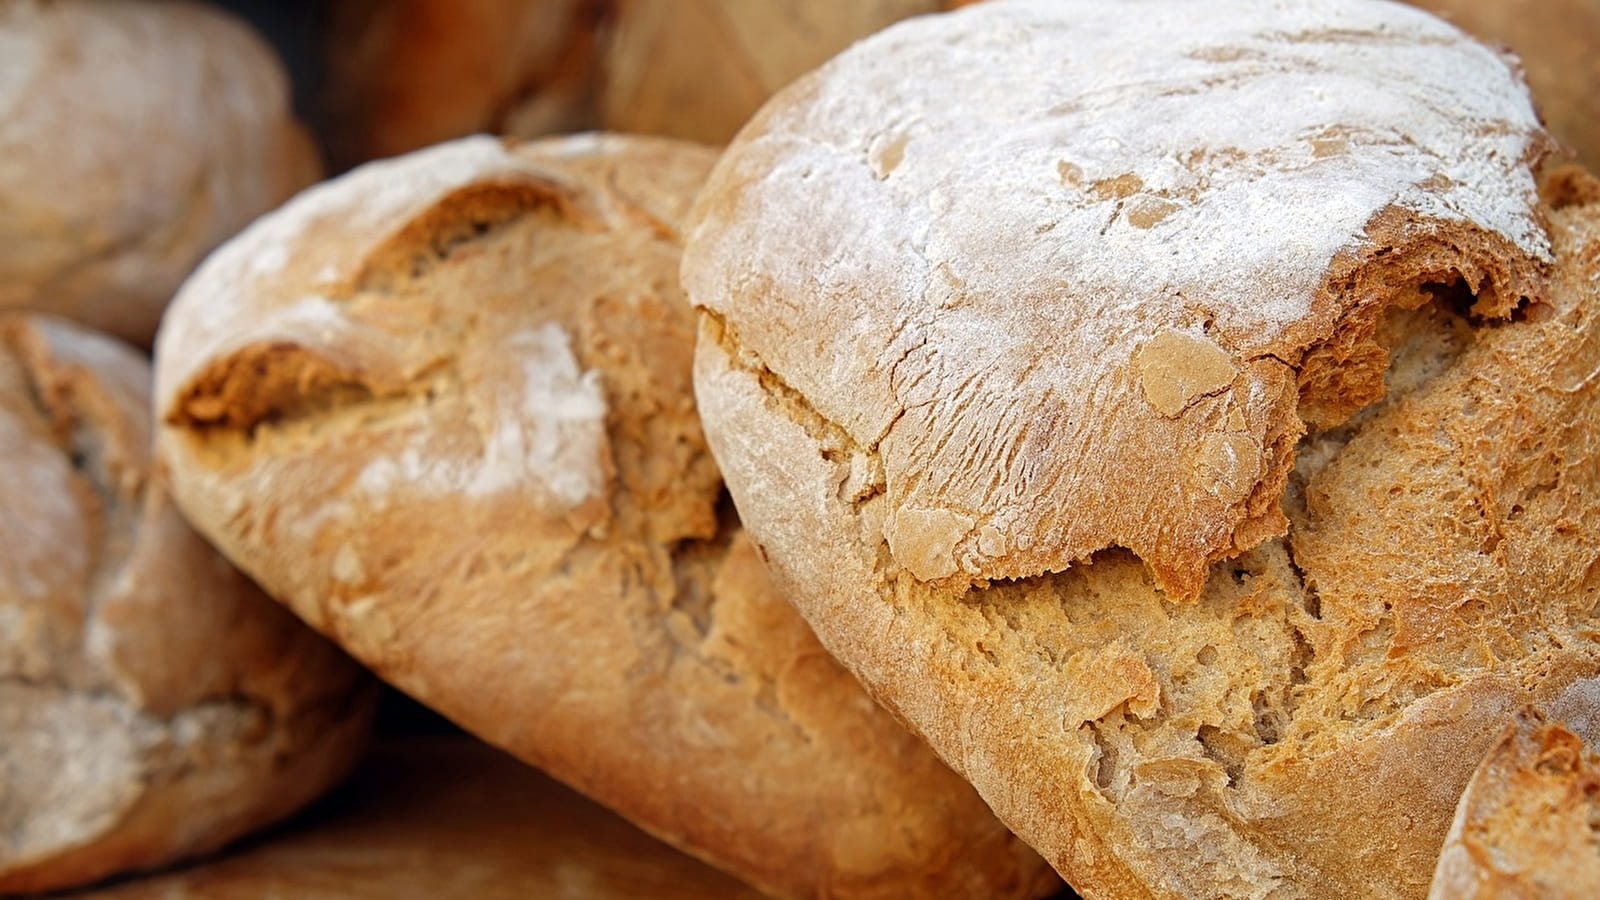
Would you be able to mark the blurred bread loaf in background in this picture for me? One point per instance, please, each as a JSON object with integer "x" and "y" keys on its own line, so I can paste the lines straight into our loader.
{"x": 154, "y": 704}
{"x": 699, "y": 69}
{"x": 402, "y": 74}
{"x": 134, "y": 138}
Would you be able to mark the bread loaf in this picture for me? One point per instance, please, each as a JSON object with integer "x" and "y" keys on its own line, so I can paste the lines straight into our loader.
{"x": 441, "y": 408}
{"x": 698, "y": 69}
{"x": 1526, "y": 826}
{"x": 404, "y": 74}
{"x": 1180, "y": 414}
{"x": 154, "y": 704}
{"x": 134, "y": 138}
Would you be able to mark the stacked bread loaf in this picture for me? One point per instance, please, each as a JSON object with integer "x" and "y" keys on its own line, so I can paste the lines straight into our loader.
{"x": 1140, "y": 442}
{"x": 1185, "y": 421}
{"x": 135, "y": 137}
{"x": 154, "y": 704}
{"x": 442, "y": 408}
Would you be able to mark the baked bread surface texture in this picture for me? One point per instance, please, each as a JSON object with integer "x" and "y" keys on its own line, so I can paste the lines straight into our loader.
{"x": 442, "y": 408}
{"x": 988, "y": 424}
{"x": 134, "y": 138}
{"x": 1528, "y": 824}
{"x": 1088, "y": 298}
{"x": 154, "y": 704}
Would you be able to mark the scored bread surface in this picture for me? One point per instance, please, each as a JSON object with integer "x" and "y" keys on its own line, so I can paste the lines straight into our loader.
{"x": 1021, "y": 415}
{"x": 154, "y": 704}
{"x": 442, "y": 408}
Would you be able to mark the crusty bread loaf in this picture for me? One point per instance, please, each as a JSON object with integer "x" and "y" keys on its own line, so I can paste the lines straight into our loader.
{"x": 153, "y": 703}
{"x": 1030, "y": 329}
{"x": 1558, "y": 42}
{"x": 698, "y": 69}
{"x": 134, "y": 137}
{"x": 1528, "y": 824}
{"x": 403, "y": 74}
{"x": 442, "y": 408}
{"x": 441, "y": 818}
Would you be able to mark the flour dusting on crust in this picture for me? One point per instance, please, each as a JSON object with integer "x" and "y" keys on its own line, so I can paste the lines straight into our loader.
{"x": 955, "y": 240}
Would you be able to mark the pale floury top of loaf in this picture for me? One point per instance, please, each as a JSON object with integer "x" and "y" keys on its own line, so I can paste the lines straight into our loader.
{"x": 1067, "y": 269}
{"x": 552, "y": 428}
{"x": 134, "y": 138}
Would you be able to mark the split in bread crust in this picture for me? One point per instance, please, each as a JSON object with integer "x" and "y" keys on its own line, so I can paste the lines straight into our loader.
{"x": 442, "y": 408}
{"x": 154, "y": 705}
{"x": 1091, "y": 300}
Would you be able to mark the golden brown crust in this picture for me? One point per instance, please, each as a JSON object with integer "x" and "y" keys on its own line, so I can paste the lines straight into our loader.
{"x": 1528, "y": 824}
{"x": 100, "y": 228}
{"x": 404, "y": 74}
{"x": 698, "y": 69}
{"x": 455, "y": 431}
{"x": 446, "y": 817}
{"x": 154, "y": 703}
{"x": 1434, "y": 580}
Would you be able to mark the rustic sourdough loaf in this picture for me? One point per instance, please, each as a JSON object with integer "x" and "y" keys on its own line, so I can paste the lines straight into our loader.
{"x": 134, "y": 138}
{"x": 1180, "y": 414}
{"x": 153, "y": 703}
{"x": 442, "y": 408}
{"x": 1528, "y": 825}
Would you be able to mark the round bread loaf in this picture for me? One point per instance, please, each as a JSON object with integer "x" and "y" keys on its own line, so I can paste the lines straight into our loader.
{"x": 1180, "y": 414}
{"x": 442, "y": 408}
{"x": 1528, "y": 824}
{"x": 698, "y": 69}
{"x": 403, "y": 74}
{"x": 134, "y": 138}
{"x": 1558, "y": 42}
{"x": 153, "y": 703}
